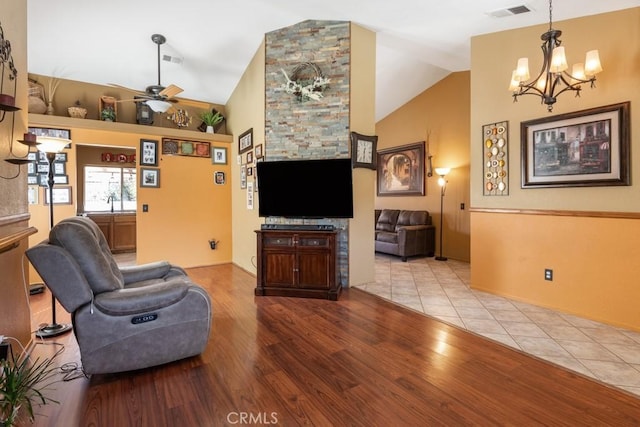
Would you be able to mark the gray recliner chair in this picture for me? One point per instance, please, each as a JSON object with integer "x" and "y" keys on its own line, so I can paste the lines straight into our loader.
{"x": 124, "y": 318}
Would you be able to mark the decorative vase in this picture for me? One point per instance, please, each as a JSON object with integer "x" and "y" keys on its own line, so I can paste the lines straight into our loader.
{"x": 210, "y": 129}
{"x": 50, "y": 108}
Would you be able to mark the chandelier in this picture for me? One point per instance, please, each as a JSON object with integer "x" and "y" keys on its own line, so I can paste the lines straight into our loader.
{"x": 553, "y": 78}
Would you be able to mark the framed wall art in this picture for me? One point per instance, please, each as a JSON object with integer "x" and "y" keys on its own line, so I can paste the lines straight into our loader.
{"x": 52, "y": 132}
{"x": 495, "y": 138}
{"x": 258, "y": 151}
{"x": 148, "y": 152}
{"x": 188, "y": 148}
{"x": 578, "y": 149}
{"x": 149, "y": 178}
{"x": 219, "y": 178}
{"x": 219, "y": 156}
{"x": 61, "y": 196}
{"x": 245, "y": 141}
{"x": 401, "y": 170}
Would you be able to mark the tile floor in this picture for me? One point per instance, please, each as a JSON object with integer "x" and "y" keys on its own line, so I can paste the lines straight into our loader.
{"x": 441, "y": 289}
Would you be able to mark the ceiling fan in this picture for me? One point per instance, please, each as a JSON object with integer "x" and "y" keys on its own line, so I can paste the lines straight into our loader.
{"x": 159, "y": 98}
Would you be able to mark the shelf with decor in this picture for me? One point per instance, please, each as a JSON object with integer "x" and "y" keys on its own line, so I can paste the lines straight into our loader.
{"x": 70, "y": 122}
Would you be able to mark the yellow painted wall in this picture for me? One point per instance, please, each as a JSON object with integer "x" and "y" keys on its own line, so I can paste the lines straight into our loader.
{"x": 362, "y": 120}
{"x": 246, "y": 110}
{"x": 184, "y": 213}
{"x": 595, "y": 273}
{"x": 444, "y": 110}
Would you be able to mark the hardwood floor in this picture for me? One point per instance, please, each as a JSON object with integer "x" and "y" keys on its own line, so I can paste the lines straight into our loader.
{"x": 359, "y": 361}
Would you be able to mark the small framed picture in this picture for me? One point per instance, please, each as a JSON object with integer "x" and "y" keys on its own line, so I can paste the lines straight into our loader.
{"x": 219, "y": 156}
{"x": 245, "y": 141}
{"x": 32, "y": 195}
{"x": 243, "y": 176}
{"x": 148, "y": 152}
{"x": 31, "y": 168}
{"x": 149, "y": 178}
{"x": 59, "y": 168}
{"x": 250, "y": 157}
{"x": 32, "y": 179}
{"x": 249, "y": 171}
{"x": 219, "y": 178}
{"x": 258, "y": 150}
{"x": 61, "y": 196}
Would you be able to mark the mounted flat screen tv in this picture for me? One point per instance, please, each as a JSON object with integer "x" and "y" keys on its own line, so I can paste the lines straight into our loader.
{"x": 305, "y": 188}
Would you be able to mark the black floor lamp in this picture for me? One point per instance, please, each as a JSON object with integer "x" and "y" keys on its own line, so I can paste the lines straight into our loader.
{"x": 50, "y": 147}
{"x": 442, "y": 182}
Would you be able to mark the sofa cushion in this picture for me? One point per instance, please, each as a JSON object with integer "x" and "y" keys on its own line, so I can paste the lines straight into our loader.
{"x": 387, "y": 237}
{"x": 412, "y": 218}
{"x": 387, "y": 220}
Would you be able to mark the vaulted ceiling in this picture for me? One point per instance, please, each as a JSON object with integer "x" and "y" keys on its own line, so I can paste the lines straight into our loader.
{"x": 210, "y": 42}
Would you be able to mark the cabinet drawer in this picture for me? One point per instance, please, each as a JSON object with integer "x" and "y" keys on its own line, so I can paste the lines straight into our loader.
{"x": 321, "y": 242}
{"x": 278, "y": 241}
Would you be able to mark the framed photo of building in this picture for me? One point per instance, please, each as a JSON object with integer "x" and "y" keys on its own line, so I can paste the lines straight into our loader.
{"x": 401, "y": 170}
{"x": 579, "y": 149}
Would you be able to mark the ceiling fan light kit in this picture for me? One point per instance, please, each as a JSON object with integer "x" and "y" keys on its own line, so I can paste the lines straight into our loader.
{"x": 159, "y": 98}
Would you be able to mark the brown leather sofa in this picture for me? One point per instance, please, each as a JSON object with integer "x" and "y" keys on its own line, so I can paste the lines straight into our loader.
{"x": 404, "y": 233}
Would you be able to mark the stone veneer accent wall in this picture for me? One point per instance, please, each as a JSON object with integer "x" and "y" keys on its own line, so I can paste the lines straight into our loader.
{"x": 309, "y": 129}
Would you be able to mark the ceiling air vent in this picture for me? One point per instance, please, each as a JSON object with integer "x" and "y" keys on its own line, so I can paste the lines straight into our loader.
{"x": 174, "y": 59}
{"x": 510, "y": 11}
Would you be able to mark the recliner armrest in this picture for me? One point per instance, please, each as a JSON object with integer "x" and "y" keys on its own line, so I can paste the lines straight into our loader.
{"x": 139, "y": 273}
{"x": 142, "y": 299}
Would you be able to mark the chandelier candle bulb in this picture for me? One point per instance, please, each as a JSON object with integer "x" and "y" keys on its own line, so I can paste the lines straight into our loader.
{"x": 558, "y": 60}
{"x": 592, "y": 63}
{"x": 577, "y": 73}
{"x": 522, "y": 69}
{"x": 513, "y": 86}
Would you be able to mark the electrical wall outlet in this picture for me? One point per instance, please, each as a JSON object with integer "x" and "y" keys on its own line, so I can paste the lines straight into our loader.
{"x": 548, "y": 274}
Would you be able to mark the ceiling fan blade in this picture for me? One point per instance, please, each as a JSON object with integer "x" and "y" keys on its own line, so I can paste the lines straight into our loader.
{"x": 193, "y": 103}
{"x": 126, "y": 88}
{"x": 133, "y": 100}
{"x": 170, "y": 91}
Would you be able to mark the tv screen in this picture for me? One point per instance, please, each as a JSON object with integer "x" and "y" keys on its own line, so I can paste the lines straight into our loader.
{"x": 305, "y": 188}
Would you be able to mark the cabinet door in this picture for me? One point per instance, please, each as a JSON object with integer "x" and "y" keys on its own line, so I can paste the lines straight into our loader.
{"x": 106, "y": 226}
{"x": 124, "y": 233}
{"x": 314, "y": 269}
{"x": 279, "y": 269}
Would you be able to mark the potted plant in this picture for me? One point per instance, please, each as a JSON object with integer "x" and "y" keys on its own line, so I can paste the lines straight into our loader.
{"x": 210, "y": 119}
{"x": 108, "y": 114}
{"x": 23, "y": 383}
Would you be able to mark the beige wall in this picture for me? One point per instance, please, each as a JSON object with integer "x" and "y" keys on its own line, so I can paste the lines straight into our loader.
{"x": 15, "y": 314}
{"x": 362, "y": 120}
{"x": 589, "y": 250}
{"x": 443, "y": 110}
{"x": 246, "y": 110}
{"x": 13, "y": 198}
